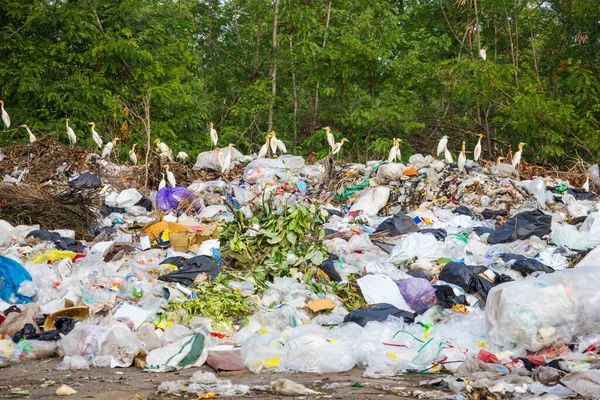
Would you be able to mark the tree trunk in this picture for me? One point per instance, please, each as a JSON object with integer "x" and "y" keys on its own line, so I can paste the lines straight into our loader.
{"x": 512, "y": 49}
{"x": 274, "y": 68}
{"x": 478, "y": 28}
{"x": 148, "y": 133}
{"x": 295, "y": 94}
{"x": 316, "y": 114}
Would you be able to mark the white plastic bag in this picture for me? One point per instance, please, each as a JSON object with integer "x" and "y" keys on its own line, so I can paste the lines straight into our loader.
{"x": 382, "y": 289}
{"x": 188, "y": 352}
{"x": 372, "y": 200}
{"x": 416, "y": 246}
{"x": 568, "y": 236}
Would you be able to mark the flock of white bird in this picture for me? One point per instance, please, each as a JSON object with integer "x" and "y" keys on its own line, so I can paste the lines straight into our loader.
{"x": 272, "y": 145}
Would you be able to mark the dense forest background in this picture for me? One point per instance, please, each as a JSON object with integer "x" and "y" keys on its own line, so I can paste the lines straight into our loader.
{"x": 371, "y": 70}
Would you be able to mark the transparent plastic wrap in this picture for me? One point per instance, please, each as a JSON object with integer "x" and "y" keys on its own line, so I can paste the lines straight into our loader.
{"x": 72, "y": 363}
{"x": 265, "y": 352}
{"x": 534, "y": 313}
{"x": 263, "y": 169}
{"x": 416, "y": 246}
{"x": 34, "y": 349}
{"x": 119, "y": 348}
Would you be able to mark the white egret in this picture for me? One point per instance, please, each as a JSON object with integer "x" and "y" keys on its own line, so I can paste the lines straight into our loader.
{"x": 182, "y": 155}
{"x": 394, "y": 151}
{"x": 220, "y": 158}
{"x": 483, "y": 53}
{"x": 265, "y": 147}
{"x": 5, "y": 116}
{"x": 462, "y": 159}
{"x": 31, "y": 136}
{"x": 162, "y": 183}
{"x": 448, "y": 156}
{"x": 108, "y": 148}
{"x": 477, "y": 152}
{"x": 517, "y": 157}
{"x": 170, "y": 176}
{"x": 586, "y": 185}
{"x": 71, "y": 134}
{"x": 214, "y": 138}
{"x": 442, "y": 145}
{"x": 338, "y": 146}
{"x": 330, "y": 137}
{"x": 132, "y": 155}
{"x": 281, "y": 146}
{"x": 163, "y": 149}
{"x": 273, "y": 143}
{"x": 95, "y": 136}
{"x": 226, "y": 159}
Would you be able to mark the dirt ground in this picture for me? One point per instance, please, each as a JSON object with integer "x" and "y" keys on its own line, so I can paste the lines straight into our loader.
{"x": 133, "y": 383}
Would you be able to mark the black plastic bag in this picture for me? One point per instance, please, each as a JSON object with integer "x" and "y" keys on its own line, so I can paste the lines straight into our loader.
{"x": 399, "y": 224}
{"x": 440, "y": 234}
{"x": 581, "y": 194}
{"x": 378, "y": 312}
{"x": 467, "y": 277}
{"x": 176, "y": 261}
{"x": 482, "y": 230}
{"x": 512, "y": 256}
{"x": 87, "y": 180}
{"x": 447, "y": 298}
{"x": 387, "y": 247}
{"x": 530, "y": 265}
{"x": 44, "y": 235}
{"x": 462, "y": 210}
{"x": 418, "y": 273}
{"x": 491, "y": 214}
{"x": 328, "y": 266}
{"x": 63, "y": 325}
{"x": 146, "y": 203}
{"x": 69, "y": 245}
{"x": 191, "y": 268}
{"x": 331, "y": 212}
{"x": 522, "y": 226}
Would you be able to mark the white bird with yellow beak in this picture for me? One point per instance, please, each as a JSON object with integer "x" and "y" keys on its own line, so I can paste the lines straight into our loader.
{"x": 31, "y": 136}
{"x": 170, "y": 176}
{"x": 394, "y": 151}
{"x": 5, "y": 116}
{"x": 477, "y": 151}
{"x": 338, "y": 146}
{"x": 273, "y": 143}
{"x": 448, "y": 156}
{"x": 586, "y": 185}
{"x": 265, "y": 147}
{"x": 109, "y": 148}
{"x": 214, "y": 138}
{"x": 330, "y": 137}
{"x": 132, "y": 155}
{"x": 462, "y": 159}
{"x": 517, "y": 157}
{"x": 71, "y": 134}
{"x": 95, "y": 136}
{"x": 182, "y": 155}
{"x": 442, "y": 145}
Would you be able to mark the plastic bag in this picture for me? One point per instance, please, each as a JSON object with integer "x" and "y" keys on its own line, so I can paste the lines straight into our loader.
{"x": 169, "y": 198}
{"x": 128, "y": 198}
{"x": 34, "y": 349}
{"x": 534, "y": 313}
{"x": 467, "y": 277}
{"x": 390, "y": 172}
{"x": 448, "y": 296}
{"x": 7, "y": 350}
{"x": 372, "y": 200}
{"x": 328, "y": 266}
{"x": 537, "y": 187}
{"x": 399, "y": 224}
{"x": 378, "y": 312}
{"x": 529, "y": 265}
{"x": 188, "y": 352}
{"x": 264, "y": 352}
{"x": 12, "y": 276}
{"x": 210, "y": 160}
{"x": 416, "y": 246}
{"x": 118, "y": 348}
{"x": 72, "y": 363}
{"x": 491, "y": 214}
{"x": 63, "y": 325}
{"x": 190, "y": 270}
{"x": 568, "y": 236}
{"x": 584, "y": 383}
{"x": 522, "y": 226}
{"x": 381, "y": 289}
{"x": 87, "y": 180}
{"x": 263, "y": 169}
{"x": 418, "y": 293}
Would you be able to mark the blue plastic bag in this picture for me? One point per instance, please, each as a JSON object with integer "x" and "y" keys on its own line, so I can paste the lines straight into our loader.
{"x": 169, "y": 198}
{"x": 12, "y": 275}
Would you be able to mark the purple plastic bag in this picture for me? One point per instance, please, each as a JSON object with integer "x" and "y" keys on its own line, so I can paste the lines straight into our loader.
{"x": 418, "y": 293}
{"x": 169, "y": 198}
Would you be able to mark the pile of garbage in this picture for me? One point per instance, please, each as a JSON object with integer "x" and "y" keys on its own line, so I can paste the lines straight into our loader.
{"x": 281, "y": 266}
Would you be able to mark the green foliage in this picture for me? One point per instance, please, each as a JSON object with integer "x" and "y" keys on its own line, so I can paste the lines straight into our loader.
{"x": 271, "y": 243}
{"x": 371, "y": 70}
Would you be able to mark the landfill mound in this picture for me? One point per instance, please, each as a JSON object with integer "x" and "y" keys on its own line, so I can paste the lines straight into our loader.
{"x": 483, "y": 273}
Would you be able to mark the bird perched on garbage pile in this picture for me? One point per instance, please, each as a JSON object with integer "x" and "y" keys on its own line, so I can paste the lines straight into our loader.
{"x": 265, "y": 147}
{"x": 220, "y": 159}
{"x": 338, "y": 146}
{"x": 586, "y": 184}
{"x": 448, "y": 156}
{"x": 281, "y": 146}
{"x": 95, "y": 136}
{"x": 442, "y": 145}
{"x": 462, "y": 159}
{"x": 163, "y": 149}
{"x": 273, "y": 143}
{"x": 224, "y": 160}
{"x": 132, "y": 155}
{"x": 395, "y": 151}
{"x": 170, "y": 176}
{"x": 517, "y": 158}
{"x": 503, "y": 170}
{"x": 31, "y": 136}
{"x": 162, "y": 183}
{"x": 5, "y": 116}
{"x": 71, "y": 134}
{"x": 182, "y": 155}
{"x": 477, "y": 151}
{"x": 214, "y": 138}
{"x": 330, "y": 137}
{"x": 108, "y": 148}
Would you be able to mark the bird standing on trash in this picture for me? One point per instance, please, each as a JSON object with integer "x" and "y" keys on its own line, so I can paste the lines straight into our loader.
{"x": 132, "y": 155}
{"x": 71, "y": 134}
{"x": 462, "y": 158}
{"x": 225, "y": 162}
{"x": 338, "y": 146}
{"x": 182, "y": 155}
{"x": 214, "y": 138}
{"x": 109, "y": 148}
{"x": 5, "y": 116}
{"x": 31, "y": 136}
{"x": 162, "y": 183}
{"x": 273, "y": 143}
{"x": 477, "y": 151}
{"x": 281, "y": 146}
{"x": 586, "y": 185}
{"x": 442, "y": 145}
{"x": 265, "y": 147}
{"x": 394, "y": 151}
{"x": 220, "y": 158}
{"x": 170, "y": 176}
{"x": 448, "y": 156}
{"x": 330, "y": 137}
{"x": 517, "y": 158}
{"x": 163, "y": 149}
{"x": 95, "y": 136}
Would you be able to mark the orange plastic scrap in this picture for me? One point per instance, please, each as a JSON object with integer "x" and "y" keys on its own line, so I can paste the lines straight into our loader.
{"x": 410, "y": 171}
